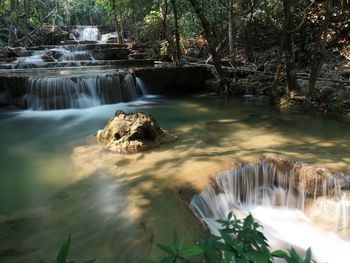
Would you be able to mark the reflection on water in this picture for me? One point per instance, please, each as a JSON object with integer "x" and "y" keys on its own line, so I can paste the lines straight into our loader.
{"x": 55, "y": 180}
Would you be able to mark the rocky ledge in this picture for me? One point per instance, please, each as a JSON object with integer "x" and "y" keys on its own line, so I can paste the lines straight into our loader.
{"x": 311, "y": 179}
{"x": 132, "y": 133}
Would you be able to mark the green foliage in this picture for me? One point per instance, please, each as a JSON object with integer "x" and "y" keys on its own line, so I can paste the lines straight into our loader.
{"x": 150, "y": 29}
{"x": 62, "y": 256}
{"x": 176, "y": 252}
{"x": 241, "y": 241}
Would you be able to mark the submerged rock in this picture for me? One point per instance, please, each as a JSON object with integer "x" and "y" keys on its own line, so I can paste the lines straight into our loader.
{"x": 131, "y": 133}
{"x": 311, "y": 179}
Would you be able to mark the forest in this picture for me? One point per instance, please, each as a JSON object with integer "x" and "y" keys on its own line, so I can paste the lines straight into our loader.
{"x": 284, "y": 38}
{"x": 175, "y": 131}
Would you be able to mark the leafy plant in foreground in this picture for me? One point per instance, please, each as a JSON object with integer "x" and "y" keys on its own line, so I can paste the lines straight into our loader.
{"x": 177, "y": 253}
{"x": 62, "y": 256}
{"x": 240, "y": 241}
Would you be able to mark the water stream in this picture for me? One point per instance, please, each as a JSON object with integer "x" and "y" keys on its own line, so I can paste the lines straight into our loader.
{"x": 56, "y": 180}
{"x": 285, "y": 200}
{"x": 67, "y": 92}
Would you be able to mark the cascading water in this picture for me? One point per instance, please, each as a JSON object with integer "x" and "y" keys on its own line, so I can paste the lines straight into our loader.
{"x": 297, "y": 204}
{"x": 52, "y": 93}
{"x": 88, "y": 33}
{"x": 57, "y": 54}
{"x": 141, "y": 85}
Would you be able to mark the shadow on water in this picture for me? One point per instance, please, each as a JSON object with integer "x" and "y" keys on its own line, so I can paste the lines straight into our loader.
{"x": 112, "y": 219}
{"x": 118, "y": 207}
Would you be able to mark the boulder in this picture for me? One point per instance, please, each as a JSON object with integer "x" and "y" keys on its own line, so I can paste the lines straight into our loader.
{"x": 311, "y": 179}
{"x": 131, "y": 133}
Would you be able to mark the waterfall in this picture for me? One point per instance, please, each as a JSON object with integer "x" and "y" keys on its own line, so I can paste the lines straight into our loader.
{"x": 71, "y": 54}
{"x": 57, "y": 54}
{"x": 52, "y": 93}
{"x": 295, "y": 203}
{"x": 88, "y": 33}
{"x": 141, "y": 85}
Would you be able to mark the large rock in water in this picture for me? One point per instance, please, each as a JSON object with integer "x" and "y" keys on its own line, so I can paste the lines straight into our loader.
{"x": 131, "y": 133}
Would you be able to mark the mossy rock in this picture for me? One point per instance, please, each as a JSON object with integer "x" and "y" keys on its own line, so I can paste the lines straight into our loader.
{"x": 131, "y": 133}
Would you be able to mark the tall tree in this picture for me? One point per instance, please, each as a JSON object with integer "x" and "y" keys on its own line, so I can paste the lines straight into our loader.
{"x": 289, "y": 10}
{"x": 319, "y": 50}
{"x": 177, "y": 34}
{"x": 164, "y": 8}
{"x": 231, "y": 43}
{"x": 212, "y": 39}
{"x": 26, "y": 14}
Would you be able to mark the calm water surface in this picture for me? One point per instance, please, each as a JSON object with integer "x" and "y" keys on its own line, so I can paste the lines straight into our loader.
{"x": 56, "y": 180}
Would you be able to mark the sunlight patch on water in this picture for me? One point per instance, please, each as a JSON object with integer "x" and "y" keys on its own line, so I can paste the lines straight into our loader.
{"x": 84, "y": 203}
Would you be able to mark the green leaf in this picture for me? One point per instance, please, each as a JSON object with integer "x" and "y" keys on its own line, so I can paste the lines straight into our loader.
{"x": 192, "y": 250}
{"x": 229, "y": 216}
{"x": 176, "y": 242}
{"x": 228, "y": 257}
{"x": 165, "y": 249}
{"x": 90, "y": 261}
{"x": 147, "y": 261}
{"x": 183, "y": 260}
{"x": 294, "y": 257}
{"x": 63, "y": 253}
{"x": 257, "y": 257}
{"x": 210, "y": 252}
{"x": 308, "y": 256}
{"x": 40, "y": 260}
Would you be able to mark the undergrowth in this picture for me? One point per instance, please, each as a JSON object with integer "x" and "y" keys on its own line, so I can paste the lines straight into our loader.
{"x": 240, "y": 241}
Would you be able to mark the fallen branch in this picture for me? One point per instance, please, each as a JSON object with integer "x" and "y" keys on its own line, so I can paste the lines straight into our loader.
{"x": 299, "y": 76}
{"x": 218, "y": 48}
{"x": 53, "y": 11}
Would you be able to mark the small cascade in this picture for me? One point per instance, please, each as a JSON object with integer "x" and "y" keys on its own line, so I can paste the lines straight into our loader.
{"x": 69, "y": 54}
{"x": 88, "y": 33}
{"x": 58, "y": 54}
{"x": 109, "y": 36}
{"x": 313, "y": 199}
{"x": 36, "y": 57}
{"x": 52, "y": 93}
{"x": 141, "y": 85}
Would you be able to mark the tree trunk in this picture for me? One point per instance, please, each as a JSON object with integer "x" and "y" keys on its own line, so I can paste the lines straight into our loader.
{"x": 274, "y": 93}
{"x": 13, "y": 23}
{"x": 121, "y": 29}
{"x": 231, "y": 40}
{"x": 247, "y": 42}
{"x": 26, "y": 13}
{"x": 169, "y": 37}
{"x": 177, "y": 35}
{"x": 120, "y": 37}
{"x": 289, "y": 47}
{"x": 319, "y": 51}
{"x": 210, "y": 35}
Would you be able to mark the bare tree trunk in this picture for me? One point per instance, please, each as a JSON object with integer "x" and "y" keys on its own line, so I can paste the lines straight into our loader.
{"x": 210, "y": 35}
{"x": 231, "y": 40}
{"x": 13, "y": 23}
{"x": 345, "y": 4}
{"x": 26, "y": 13}
{"x": 276, "y": 77}
{"x": 120, "y": 37}
{"x": 163, "y": 6}
{"x": 319, "y": 51}
{"x": 247, "y": 42}
{"x": 289, "y": 47}
{"x": 121, "y": 27}
{"x": 177, "y": 35}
